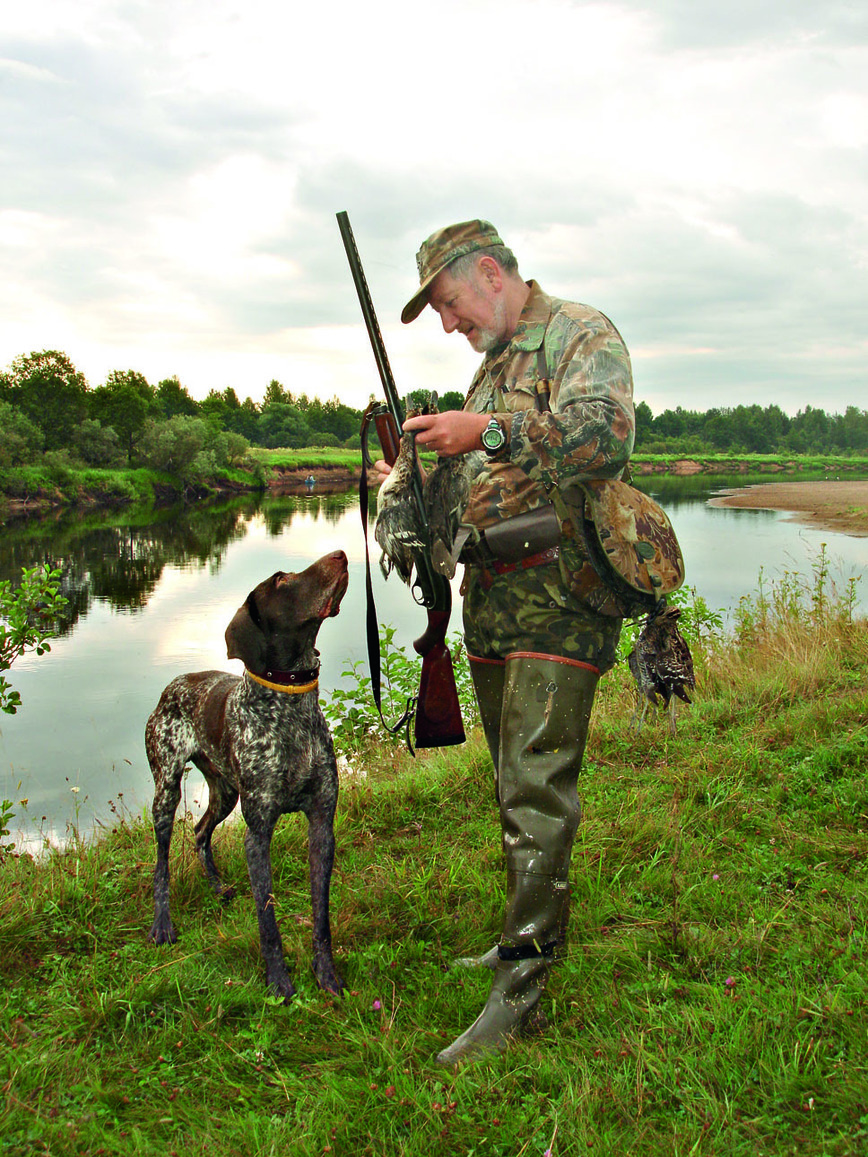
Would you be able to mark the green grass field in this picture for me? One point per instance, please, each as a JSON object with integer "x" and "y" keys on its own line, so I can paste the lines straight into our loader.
{"x": 713, "y": 998}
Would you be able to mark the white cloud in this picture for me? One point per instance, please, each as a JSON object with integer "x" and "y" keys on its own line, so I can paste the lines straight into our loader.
{"x": 171, "y": 175}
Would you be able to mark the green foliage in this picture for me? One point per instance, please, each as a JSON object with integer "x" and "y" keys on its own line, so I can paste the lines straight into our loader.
{"x": 189, "y": 448}
{"x": 47, "y": 389}
{"x": 20, "y": 439}
{"x": 27, "y": 617}
{"x": 755, "y": 429}
{"x": 352, "y": 712}
{"x": 97, "y": 445}
{"x": 173, "y": 400}
{"x": 124, "y": 403}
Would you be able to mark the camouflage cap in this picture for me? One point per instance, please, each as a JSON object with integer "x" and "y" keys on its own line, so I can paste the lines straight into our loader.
{"x": 440, "y": 250}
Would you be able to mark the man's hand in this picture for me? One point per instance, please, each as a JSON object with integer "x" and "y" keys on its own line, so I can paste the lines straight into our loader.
{"x": 382, "y": 470}
{"x": 450, "y": 433}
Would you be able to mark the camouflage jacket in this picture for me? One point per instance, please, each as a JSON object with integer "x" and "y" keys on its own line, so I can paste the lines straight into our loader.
{"x": 562, "y": 388}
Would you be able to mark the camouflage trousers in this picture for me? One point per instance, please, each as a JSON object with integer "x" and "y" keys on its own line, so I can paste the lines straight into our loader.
{"x": 535, "y": 610}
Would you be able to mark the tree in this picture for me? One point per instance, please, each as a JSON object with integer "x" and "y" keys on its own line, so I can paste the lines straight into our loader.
{"x": 173, "y": 399}
{"x": 97, "y": 445}
{"x": 48, "y": 389}
{"x": 20, "y": 439}
{"x": 275, "y": 394}
{"x": 173, "y": 445}
{"x": 124, "y": 403}
{"x": 644, "y": 424}
{"x": 283, "y": 425}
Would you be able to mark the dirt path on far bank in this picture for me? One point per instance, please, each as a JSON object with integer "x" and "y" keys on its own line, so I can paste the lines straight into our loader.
{"x": 839, "y": 506}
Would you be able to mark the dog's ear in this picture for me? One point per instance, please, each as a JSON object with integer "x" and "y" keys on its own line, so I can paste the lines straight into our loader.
{"x": 245, "y": 641}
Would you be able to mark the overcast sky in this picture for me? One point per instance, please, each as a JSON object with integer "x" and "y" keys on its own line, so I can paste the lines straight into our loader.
{"x": 171, "y": 170}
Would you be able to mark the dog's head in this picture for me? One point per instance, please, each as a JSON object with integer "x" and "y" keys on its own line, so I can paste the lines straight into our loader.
{"x": 276, "y": 626}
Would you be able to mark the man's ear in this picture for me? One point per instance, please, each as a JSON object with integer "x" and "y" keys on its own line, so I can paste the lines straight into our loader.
{"x": 490, "y": 272}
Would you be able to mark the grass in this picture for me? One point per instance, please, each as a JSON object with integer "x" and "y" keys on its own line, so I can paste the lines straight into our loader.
{"x": 713, "y": 999}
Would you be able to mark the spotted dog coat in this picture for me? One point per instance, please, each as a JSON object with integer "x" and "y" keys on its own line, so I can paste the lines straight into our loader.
{"x": 261, "y": 736}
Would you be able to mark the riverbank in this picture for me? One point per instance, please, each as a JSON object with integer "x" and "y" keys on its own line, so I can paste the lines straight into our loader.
{"x": 834, "y": 505}
{"x": 31, "y": 490}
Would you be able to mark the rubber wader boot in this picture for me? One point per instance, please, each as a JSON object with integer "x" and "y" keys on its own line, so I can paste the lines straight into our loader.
{"x": 488, "y": 677}
{"x": 544, "y": 725}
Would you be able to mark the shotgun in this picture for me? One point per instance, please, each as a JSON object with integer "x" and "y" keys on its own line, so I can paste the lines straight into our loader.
{"x": 438, "y": 712}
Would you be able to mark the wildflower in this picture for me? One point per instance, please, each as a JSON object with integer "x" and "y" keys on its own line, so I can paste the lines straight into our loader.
{"x": 715, "y": 876}
{"x": 377, "y": 1005}
{"x": 730, "y": 982}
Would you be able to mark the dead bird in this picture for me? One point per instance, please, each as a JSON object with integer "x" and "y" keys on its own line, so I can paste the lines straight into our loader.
{"x": 661, "y": 664}
{"x": 447, "y": 489}
{"x": 398, "y": 528}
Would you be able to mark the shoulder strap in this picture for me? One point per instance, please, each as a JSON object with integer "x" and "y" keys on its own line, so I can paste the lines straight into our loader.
{"x": 372, "y": 628}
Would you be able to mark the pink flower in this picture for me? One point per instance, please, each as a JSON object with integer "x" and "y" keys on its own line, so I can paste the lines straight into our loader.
{"x": 377, "y": 1005}
{"x": 730, "y": 982}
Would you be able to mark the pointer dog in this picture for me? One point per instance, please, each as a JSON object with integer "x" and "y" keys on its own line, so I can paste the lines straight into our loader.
{"x": 261, "y": 736}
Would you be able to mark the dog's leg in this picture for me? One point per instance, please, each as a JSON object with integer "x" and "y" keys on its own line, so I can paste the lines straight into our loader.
{"x": 222, "y": 798}
{"x": 257, "y": 844}
{"x": 321, "y": 856}
{"x": 167, "y": 794}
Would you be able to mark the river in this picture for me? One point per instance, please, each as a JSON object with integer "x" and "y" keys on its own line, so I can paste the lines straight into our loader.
{"x": 151, "y": 595}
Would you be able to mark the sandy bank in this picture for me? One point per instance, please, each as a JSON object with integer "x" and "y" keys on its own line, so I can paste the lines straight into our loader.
{"x": 841, "y": 506}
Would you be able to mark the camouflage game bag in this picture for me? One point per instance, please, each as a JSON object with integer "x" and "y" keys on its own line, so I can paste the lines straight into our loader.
{"x": 631, "y": 546}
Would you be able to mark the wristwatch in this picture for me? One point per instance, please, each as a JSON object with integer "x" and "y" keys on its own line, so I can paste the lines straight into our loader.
{"x": 493, "y": 438}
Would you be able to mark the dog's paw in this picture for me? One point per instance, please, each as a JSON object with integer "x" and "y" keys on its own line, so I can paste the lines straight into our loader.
{"x": 162, "y": 931}
{"x": 327, "y": 978}
{"x": 281, "y": 986}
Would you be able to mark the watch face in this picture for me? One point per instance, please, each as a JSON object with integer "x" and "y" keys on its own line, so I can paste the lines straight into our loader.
{"x": 493, "y": 436}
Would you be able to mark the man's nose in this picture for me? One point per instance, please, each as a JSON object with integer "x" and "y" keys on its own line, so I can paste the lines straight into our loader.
{"x": 449, "y": 320}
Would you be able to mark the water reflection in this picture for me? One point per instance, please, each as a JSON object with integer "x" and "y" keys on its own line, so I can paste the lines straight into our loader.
{"x": 121, "y": 562}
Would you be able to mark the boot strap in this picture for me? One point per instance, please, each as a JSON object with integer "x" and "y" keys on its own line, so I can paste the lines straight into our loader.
{"x": 526, "y": 951}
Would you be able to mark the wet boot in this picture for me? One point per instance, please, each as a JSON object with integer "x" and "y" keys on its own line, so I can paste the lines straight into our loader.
{"x": 488, "y": 677}
{"x": 544, "y": 724}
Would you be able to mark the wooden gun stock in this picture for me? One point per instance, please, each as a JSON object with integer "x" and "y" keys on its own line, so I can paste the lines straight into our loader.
{"x": 389, "y": 436}
{"x": 438, "y": 711}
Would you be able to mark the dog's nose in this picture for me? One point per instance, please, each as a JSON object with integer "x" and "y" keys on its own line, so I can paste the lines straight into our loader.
{"x": 339, "y": 556}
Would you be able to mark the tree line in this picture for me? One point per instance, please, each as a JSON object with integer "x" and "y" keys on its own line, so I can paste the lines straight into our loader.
{"x": 47, "y": 407}
{"x": 753, "y": 429}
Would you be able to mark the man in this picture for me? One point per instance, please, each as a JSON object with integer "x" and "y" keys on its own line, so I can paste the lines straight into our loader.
{"x": 550, "y": 404}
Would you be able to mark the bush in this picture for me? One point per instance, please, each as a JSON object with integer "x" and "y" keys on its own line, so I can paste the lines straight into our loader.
{"x": 20, "y": 439}
{"x": 97, "y": 445}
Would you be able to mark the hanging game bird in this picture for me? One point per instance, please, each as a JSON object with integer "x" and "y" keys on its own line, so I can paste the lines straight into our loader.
{"x": 398, "y": 528}
{"x": 446, "y": 491}
{"x": 661, "y": 664}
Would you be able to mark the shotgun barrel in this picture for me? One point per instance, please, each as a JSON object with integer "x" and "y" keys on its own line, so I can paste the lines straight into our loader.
{"x": 438, "y": 712}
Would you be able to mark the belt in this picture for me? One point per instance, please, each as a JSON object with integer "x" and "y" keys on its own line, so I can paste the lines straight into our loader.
{"x": 500, "y": 568}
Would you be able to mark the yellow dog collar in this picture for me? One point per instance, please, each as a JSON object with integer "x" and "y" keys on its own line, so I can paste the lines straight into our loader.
{"x": 289, "y": 688}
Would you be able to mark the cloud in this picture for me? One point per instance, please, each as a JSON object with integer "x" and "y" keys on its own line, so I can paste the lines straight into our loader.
{"x": 172, "y": 174}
